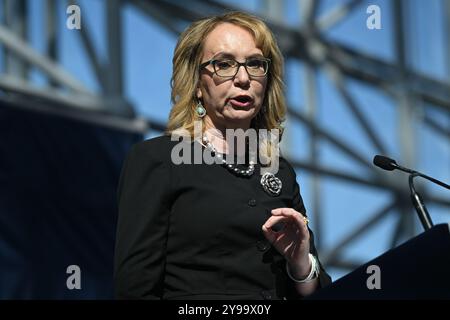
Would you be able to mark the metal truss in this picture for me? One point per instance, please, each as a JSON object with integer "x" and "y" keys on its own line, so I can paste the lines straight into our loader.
{"x": 306, "y": 43}
{"x": 64, "y": 94}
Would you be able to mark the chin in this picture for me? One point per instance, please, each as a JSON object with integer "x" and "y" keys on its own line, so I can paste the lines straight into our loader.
{"x": 244, "y": 116}
{"x": 241, "y": 113}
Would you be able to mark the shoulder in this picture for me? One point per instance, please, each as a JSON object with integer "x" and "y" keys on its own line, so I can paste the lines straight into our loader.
{"x": 157, "y": 148}
{"x": 285, "y": 165}
{"x": 161, "y": 143}
{"x": 287, "y": 171}
{"x": 147, "y": 159}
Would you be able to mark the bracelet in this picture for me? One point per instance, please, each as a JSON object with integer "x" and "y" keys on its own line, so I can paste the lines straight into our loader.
{"x": 313, "y": 274}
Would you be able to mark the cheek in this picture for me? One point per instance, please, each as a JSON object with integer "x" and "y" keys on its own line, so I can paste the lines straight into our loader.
{"x": 215, "y": 92}
{"x": 264, "y": 86}
{"x": 261, "y": 90}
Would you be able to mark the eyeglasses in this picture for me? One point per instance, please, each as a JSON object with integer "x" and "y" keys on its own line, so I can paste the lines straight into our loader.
{"x": 228, "y": 68}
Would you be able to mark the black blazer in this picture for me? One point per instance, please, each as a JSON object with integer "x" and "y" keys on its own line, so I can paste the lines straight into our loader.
{"x": 193, "y": 231}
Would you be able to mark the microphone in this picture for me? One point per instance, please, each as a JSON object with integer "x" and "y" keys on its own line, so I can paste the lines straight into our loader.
{"x": 390, "y": 164}
{"x": 384, "y": 162}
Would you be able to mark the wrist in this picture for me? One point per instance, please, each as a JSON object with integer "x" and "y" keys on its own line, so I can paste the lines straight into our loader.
{"x": 301, "y": 271}
{"x": 313, "y": 272}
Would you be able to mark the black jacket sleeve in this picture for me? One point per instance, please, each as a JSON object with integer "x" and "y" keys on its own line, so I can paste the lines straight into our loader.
{"x": 141, "y": 238}
{"x": 324, "y": 278}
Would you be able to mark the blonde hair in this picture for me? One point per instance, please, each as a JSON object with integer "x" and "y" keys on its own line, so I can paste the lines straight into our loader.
{"x": 185, "y": 75}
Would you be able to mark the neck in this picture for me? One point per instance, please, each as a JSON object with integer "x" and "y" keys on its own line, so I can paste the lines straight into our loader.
{"x": 217, "y": 135}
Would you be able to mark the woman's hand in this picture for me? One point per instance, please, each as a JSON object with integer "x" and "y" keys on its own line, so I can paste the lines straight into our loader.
{"x": 292, "y": 241}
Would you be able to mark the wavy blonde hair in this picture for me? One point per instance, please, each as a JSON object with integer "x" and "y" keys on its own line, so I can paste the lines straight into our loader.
{"x": 186, "y": 74}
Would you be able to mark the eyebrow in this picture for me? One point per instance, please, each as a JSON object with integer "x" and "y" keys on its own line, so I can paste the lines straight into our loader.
{"x": 229, "y": 55}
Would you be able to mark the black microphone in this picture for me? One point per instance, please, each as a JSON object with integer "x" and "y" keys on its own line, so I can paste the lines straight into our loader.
{"x": 390, "y": 164}
{"x": 384, "y": 162}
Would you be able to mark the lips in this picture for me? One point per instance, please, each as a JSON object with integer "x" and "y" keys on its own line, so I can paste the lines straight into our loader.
{"x": 241, "y": 101}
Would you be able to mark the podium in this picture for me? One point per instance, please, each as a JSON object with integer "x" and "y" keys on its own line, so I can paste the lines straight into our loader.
{"x": 417, "y": 269}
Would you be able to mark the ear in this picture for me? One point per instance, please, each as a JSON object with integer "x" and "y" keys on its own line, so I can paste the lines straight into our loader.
{"x": 198, "y": 93}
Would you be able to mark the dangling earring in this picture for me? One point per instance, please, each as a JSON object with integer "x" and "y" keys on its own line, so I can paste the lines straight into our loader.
{"x": 200, "y": 110}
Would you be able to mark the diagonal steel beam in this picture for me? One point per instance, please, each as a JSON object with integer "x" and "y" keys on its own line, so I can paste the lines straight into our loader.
{"x": 295, "y": 43}
{"x": 437, "y": 200}
{"x": 335, "y": 141}
{"x": 379, "y": 183}
{"x": 437, "y": 127}
{"x": 114, "y": 81}
{"x": 27, "y": 53}
{"x": 346, "y": 264}
{"x": 386, "y": 75}
{"x": 308, "y": 11}
{"x": 154, "y": 11}
{"x": 333, "y": 253}
{"x": 15, "y": 19}
{"x": 93, "y": 58}
{"x": 56, "y": 107}
{"x": 51, "y": 36}
{"x": 14, "y": 85}
{"x": 336, "y": 77}
{"x": 337, "y": 14}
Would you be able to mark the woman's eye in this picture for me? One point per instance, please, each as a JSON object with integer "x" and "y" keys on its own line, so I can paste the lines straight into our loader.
{"x": 254, "y": 63}
{"x": 224, "y": 64}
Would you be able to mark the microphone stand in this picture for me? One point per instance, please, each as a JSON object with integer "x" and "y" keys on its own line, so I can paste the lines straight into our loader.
{"x": 419, "y": 174}
{"x": 390, "y": 164}
{"x": 421, "y": 209}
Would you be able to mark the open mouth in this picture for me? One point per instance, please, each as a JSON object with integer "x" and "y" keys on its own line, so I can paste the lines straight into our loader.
{"x": 241, "y": 101}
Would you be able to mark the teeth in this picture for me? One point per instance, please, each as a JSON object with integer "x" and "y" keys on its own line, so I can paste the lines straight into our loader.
{"x": 242, "y": 99}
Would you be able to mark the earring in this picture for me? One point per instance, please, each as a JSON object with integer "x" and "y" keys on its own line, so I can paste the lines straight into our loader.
{"x": 200, "y": 110}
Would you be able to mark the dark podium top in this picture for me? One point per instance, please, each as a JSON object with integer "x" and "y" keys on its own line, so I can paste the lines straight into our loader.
{"x": 417, "y": 269}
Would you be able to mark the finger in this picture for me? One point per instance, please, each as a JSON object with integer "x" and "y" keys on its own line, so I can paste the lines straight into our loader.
{"x": 290, "y": 212}
{"x": 293, "y": 219}
{"x": 296, "y": 219}
{"x": 273, "y": 228}
{"x": 282, "y": 211}
{"x": 279, "y": 211}
{"x": 275, "y": 224}
{"x": 270, "y": 236}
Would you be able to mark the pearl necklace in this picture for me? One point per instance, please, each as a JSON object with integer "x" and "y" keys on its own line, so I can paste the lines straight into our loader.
{"x": 231, "y": 167}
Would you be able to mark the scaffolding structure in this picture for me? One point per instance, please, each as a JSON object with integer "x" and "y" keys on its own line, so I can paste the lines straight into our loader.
{"x": 305, "y": 43}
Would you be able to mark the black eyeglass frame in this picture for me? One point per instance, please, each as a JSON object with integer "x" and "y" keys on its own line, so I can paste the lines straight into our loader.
{"x": 239, "y": 64}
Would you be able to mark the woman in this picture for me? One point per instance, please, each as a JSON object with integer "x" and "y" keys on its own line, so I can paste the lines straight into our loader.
{"x": 220, "y": 230}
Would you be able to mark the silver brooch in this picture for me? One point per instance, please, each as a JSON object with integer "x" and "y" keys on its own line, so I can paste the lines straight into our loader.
{"x": 271, "y": 184}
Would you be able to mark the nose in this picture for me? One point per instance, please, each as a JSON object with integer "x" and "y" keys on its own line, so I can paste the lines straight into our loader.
{"x": 242, "y": 77}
